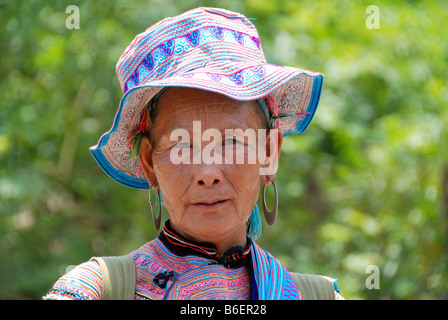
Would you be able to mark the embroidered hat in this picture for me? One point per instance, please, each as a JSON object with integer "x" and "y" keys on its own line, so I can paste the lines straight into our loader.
{"x": 205, "y": 48}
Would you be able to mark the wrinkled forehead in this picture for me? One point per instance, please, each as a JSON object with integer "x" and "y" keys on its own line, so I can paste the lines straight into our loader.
{"x": 179, "y": 107}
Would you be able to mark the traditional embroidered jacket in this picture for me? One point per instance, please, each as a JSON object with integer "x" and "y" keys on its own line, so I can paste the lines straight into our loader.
{"x": 172, "y": 267}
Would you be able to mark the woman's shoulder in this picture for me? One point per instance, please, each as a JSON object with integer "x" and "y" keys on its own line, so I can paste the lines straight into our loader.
{"x": 83, "y": 282}
{"x": 316, "y": 287}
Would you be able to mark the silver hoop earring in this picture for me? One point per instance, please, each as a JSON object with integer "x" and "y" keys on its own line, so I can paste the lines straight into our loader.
{"x": 270, "y": 215}
{"x": 159, "y": 218}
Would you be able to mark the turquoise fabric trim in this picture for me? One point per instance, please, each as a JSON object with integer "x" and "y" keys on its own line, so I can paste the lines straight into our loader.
{"x": 335, "y": 286}
{"x": 255, "y": 223}
{"x": 263, "y": 107}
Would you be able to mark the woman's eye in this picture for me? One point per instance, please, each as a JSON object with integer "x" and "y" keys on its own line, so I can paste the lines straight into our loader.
{"x": 183, "y": 145}
{"x": 231, "y": 141}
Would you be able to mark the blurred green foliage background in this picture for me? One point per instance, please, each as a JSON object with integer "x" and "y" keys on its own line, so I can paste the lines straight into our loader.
{"x": 367, "y": 184}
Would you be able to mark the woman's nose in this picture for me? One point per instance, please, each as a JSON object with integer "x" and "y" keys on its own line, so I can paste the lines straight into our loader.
{"x": 208, "y": 176}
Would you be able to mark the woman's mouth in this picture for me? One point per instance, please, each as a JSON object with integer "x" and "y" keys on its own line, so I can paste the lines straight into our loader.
{"x": 210, "y": 204}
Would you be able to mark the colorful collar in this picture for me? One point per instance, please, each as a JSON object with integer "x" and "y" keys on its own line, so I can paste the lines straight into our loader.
{"x": 234, "y": 257}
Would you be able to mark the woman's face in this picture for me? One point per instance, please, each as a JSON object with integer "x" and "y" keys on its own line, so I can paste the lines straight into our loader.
{"x": 207, "y": 199}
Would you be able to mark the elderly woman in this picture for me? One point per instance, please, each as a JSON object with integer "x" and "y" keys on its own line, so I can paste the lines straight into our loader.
{"x": 201, "y": 123}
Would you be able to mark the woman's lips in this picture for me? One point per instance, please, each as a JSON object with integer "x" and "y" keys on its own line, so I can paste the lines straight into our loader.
{"x": 210, "y": 204}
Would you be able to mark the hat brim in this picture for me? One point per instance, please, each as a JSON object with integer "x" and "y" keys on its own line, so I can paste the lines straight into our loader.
{"x": 295, "y": 91}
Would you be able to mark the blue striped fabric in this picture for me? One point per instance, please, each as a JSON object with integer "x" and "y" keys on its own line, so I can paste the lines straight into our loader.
{"x": 273, "y": 280}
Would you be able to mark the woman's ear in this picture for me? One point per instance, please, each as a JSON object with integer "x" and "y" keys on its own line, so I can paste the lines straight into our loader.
{"x": 274, "y": 140}
{"x": 145, "y": 157}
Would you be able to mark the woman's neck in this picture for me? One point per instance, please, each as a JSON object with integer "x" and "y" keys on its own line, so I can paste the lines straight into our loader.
{"x": 222, "y": 243}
